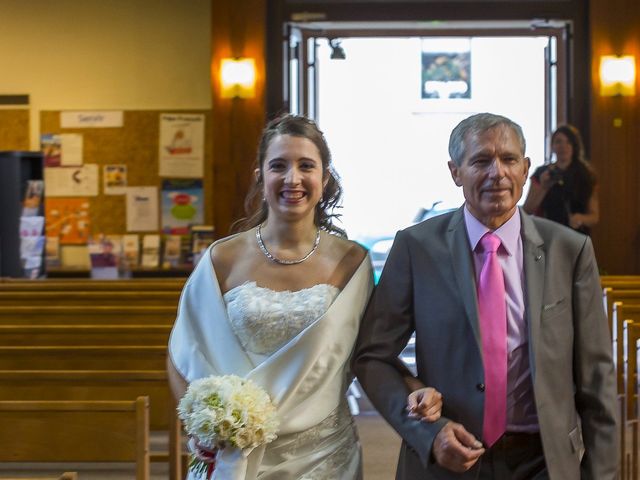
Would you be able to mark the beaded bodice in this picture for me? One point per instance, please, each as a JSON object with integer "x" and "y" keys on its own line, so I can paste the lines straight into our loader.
{"x": 264, "y": 320}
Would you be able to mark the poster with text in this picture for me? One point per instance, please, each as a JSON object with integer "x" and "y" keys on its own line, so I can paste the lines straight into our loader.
{"x": 71, "y": 181}
{"x": 71, "y": 148}
{"x": 115, "y": 179}
{"x": 67, "y": 219}
{"x": 181, "y": 145}
{"x": 182, "y": 205}
{"x": 51, "y": 149}
{"x": 142, "y": 209}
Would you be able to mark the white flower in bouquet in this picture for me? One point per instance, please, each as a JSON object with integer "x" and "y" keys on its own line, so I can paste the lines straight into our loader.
{"x": 227, "y": 411}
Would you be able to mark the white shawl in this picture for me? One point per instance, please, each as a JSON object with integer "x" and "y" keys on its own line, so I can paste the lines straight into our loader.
{"x": 305, "y": 378}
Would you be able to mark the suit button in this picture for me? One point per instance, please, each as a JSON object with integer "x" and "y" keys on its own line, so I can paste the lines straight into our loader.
{"x": 480, "y": 387}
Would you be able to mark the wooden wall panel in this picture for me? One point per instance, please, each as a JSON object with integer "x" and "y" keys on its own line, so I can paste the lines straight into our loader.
{"x": 14, "y": 129}
{"x": 238, "y": 30}
{"x": 615, "y": 29}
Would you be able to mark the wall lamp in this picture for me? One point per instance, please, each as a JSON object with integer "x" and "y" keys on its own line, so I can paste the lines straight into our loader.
{"x": 238, "y": 78}
{"x": 617, "y": 75}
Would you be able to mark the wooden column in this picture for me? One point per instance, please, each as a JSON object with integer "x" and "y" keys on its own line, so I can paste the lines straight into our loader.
{"x": 237, "y": 30}
{"x": 615, "y": 139}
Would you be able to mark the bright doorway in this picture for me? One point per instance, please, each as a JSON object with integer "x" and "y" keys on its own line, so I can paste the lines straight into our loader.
{"x": 387, "y": 104}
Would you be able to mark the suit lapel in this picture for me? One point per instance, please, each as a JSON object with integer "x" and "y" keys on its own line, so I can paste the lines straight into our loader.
{"x": 462, "y": 260}
{"x": 534, "y": 268}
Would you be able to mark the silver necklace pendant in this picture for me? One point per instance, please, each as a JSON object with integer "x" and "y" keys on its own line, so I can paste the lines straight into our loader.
{"x": 275, "y": 259}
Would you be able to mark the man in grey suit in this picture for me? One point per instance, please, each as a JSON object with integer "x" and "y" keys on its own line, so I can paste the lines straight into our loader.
{"x": 558, "y": 417}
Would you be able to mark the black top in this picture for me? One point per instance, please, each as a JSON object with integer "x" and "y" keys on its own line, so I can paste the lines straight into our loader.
{"x": 569, "y": 194}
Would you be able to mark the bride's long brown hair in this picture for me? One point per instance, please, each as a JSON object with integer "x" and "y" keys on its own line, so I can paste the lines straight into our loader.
{"x": 297, "y": 126}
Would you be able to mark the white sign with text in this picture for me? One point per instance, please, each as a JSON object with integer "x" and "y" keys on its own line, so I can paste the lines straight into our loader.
{"x": 90, "y": 119}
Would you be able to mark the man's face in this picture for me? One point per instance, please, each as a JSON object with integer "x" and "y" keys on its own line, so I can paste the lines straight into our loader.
{"x": 492, "y": 174}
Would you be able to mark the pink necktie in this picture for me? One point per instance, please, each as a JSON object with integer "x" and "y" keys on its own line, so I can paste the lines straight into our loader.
{"x": 493, "y": 327}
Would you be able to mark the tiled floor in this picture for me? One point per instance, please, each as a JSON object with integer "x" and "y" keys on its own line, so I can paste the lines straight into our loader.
{"x": 380, "y": 447}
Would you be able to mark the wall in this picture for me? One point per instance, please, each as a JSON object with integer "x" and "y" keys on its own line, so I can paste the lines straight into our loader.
{"x": 599, "y": 27}
{"x": 615, "y": 29}
{"x": 141, "y": 56}
{"x": 237, "y": 29}
{"x": 96, "y": 54}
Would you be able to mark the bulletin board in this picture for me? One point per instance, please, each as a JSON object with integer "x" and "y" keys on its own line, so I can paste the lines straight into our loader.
{"x": 135, "y": 145}
{"x": 14, "y": 129}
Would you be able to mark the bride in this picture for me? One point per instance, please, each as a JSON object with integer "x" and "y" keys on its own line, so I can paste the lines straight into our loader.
{"x": 280, "y": 303}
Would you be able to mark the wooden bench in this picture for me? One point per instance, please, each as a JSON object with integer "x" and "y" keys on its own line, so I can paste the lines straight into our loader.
{"x": 611, "y": 295}
{"x": 88, "y": 315}
{"x": 621, "y": 284}
{"x": 631, "y": 335}
{"x": 621, "y": 311}
{"x": 629, "y": 422}
{"x": 74, "y": 297}
{"x": 104, "y": 385}
{"x": 93, "y": 385}
{"x": 42, "y": 335}
{"x": 76, "y": 431}
{"x": 85, "y": 284}
{"x": 64, "y": 476}
{"x": 81, "y": 357}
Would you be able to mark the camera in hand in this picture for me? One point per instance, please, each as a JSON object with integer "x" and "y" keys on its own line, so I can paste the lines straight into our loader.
{"x": 556, "y": 176}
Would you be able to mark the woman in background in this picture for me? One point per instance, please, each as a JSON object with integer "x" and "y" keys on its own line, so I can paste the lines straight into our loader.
{"x": 280, "y": 303}
{"x": 565, "y": 191}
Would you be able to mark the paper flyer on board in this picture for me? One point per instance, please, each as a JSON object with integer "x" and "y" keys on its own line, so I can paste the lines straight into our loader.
{"x": 142, "y": 209}
{"x": 181, "y": 146}
{"x": 182, "y": 205}
{"x": 71, "y": 181}
{"x": 115, "y": 179}
{"x": 68, "y": 219}
{"x": 51, "y": 149}
{"x": 71, "y": 147}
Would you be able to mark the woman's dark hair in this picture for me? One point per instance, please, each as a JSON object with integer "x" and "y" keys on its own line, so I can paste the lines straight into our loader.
{"x": 582, "y": 172}
{"x": 575, "y": 139}
{"x": 297, "y": 126}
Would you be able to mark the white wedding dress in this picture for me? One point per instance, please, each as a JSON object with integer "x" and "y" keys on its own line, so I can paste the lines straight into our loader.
{"x": 264, "y": 321}
{"x": 295, "y": 345}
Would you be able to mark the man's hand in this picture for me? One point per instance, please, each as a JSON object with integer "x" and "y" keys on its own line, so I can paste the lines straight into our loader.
{"x": 425, "y": 404}
{"x": 456, "y": 449}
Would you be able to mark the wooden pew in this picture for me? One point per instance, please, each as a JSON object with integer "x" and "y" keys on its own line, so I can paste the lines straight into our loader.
{"x": 75, "y": 357}
{"x": 633, "y": 430}
{"x": 629, "y": 427}
{"x": 64, "y": 476}
{"x": 631, "y": 335}
{"x": 76, "y": 431}
{"x": 84, "y": 315}
{"x": 611, "y": 295}
{"x": 79, "y": 297}
{"x": 93, "y": 385}
{"x": 621, "y": 283}
{"x": 104, "y": 385}
{"x": 66, "y": 335}
{"x": 85, "y": 285}
{"x": 621, "y": 311}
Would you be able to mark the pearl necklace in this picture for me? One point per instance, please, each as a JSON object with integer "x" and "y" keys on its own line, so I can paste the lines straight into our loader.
{"x": 275, "y": 259}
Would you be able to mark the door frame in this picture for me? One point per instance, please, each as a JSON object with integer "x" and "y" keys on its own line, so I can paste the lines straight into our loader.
{"x": 299, "y": 43}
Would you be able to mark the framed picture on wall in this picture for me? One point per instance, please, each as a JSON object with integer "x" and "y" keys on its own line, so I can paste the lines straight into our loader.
{"x": 446, "y": 68}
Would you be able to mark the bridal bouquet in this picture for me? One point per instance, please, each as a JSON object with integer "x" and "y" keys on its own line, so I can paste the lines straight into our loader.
{"x": 227, "y": 411}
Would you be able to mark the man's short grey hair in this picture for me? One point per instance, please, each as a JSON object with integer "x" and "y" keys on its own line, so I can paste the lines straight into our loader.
{"x": 474, "y": 125}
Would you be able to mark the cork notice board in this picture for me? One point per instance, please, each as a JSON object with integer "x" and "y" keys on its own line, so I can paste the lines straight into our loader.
{"x": 135, "y": 145}
{"x": 14, "y": 129}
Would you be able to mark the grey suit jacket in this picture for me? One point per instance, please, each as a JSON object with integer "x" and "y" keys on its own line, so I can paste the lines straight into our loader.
{"x": 428, "y": 286}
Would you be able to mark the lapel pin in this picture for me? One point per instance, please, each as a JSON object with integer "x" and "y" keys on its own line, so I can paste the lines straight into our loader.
{"x": 538, "y": 258}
